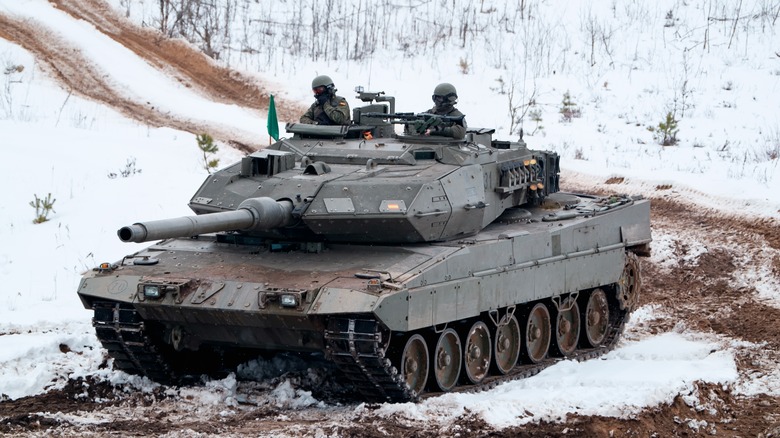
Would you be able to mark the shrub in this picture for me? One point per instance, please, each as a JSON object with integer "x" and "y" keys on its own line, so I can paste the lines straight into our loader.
{"x": 536, "y": 116}
{"x": 128, "y": 171}
{"x": 207, "y": 146}
{"x": 464, "y": 66}
{"x": 43, "y": 207}
{"x": 666, "y": 134}
{"x": 569, "y": 109}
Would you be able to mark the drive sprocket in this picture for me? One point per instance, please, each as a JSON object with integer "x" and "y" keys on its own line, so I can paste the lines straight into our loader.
{"x": 629, "y": 284}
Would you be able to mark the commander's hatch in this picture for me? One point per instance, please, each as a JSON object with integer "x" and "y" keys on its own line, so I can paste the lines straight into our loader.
{"x": 267, "y": 163}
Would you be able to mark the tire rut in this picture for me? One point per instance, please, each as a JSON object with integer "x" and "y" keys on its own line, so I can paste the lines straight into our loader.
{"x": 77, "y": 74}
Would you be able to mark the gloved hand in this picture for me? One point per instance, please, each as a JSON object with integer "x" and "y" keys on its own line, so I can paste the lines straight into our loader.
{"x": 323, "y": 119}
{"x": 434, "y": 123}
{"x": 322, "y": 98}
{"x": 419, "y": 126}
{"x": 427, "y": 126}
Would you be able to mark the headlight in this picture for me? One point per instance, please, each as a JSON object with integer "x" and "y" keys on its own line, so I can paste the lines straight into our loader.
{"x": 152, "y": 291}
{"x": 288, "y": 300}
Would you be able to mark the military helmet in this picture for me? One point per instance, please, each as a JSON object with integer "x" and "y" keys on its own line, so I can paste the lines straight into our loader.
{"x": 322, "y": 83}
{"x": 445, "y": 93}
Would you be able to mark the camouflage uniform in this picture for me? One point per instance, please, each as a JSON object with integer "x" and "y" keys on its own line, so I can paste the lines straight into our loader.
{"x": 335, "y": 111}
{"x": 457, "y": 130}
{"x": 327, "y": 109}
{"x": 445, "y": 97}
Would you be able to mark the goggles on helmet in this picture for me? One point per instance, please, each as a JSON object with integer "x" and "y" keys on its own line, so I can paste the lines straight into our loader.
{"x": 319, "y": 90}
{"x": 440, "y": 100}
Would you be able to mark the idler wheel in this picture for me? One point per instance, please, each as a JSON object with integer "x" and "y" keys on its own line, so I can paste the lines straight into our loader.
{"x": 596, "y": 318}
{"x": 447, "y": 360}
{"x": 537, "y": 333}
{"x": 567, "y": 327}
{"x": 477, "y": 352}
{"x": 629, "y": 284}
{"x": 506, "y": 347}
{"x": 414, "y": 363}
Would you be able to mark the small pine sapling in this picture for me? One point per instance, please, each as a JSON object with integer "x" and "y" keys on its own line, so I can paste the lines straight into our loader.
{"x": 207, "y": 146}
{"x": 43, "y": 207}
{"x": 667, "y": 131}
{"x": 536, "y": 116}
{"x": 569, "y": 109}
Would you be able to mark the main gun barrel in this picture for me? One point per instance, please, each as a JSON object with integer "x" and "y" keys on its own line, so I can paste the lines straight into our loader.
{"x": 252, "y": 214}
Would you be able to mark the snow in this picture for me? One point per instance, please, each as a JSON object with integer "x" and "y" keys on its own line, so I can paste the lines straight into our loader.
{"x": 55, "y": 142}
{"x": 129, "y": 73}
{"x": 33, "y": 361}
{"x": 639, "y": 374}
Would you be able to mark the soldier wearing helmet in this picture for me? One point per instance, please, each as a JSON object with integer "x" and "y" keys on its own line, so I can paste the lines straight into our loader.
{"x": 328, "y": 109}
{"x": 444, "y": 98}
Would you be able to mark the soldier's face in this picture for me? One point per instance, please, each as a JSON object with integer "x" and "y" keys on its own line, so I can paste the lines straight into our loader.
{"x": 439, "y": 100}
{"x": 318, "y": 90}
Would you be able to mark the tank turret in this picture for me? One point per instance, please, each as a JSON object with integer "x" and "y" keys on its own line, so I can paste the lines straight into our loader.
{"x": 365, "y": 184}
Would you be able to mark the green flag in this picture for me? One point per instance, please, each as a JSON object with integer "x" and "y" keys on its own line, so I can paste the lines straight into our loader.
{"x": 273, "y": 124}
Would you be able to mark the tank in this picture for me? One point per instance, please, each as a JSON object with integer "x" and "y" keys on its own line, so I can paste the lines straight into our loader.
{"x": 414, "y": 264}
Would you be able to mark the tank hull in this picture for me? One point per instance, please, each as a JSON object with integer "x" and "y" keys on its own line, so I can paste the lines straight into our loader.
{"x": 215, "y": 293}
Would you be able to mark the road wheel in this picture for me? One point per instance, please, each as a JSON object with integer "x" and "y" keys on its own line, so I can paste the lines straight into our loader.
{"x": 567, "y": 327}
{"x": 596, "y": 318}
{"x": 477, "y": 352}
{"x": 447, "y": 360}
{"x": 414, "y": 363}
{"x": 506, "y": 347}
{"x": 537, "y": 333}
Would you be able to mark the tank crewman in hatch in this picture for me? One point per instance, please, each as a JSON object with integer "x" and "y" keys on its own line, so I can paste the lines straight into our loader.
{"x": 444, "y": 98}
{"x": 328, "y": 109}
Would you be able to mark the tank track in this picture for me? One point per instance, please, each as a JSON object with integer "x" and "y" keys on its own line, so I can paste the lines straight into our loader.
{"x": 355, "y": 346}
{"x": 120, "y": 329}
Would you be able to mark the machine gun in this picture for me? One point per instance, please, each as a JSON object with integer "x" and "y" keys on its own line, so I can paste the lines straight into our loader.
{"x": 418, "y": 123}
{"x": 372, "y": 96}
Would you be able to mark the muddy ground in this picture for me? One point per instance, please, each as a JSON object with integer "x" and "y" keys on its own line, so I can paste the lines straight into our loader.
{"x": 711, "y": 294}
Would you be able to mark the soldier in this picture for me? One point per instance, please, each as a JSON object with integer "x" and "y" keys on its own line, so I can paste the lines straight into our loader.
{"x": 328, "y": 109}
{"x": 444, "y": 98}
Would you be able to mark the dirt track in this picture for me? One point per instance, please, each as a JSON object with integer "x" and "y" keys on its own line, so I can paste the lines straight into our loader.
{"x": 709, "y": 293}
{"x": 176, "y": 58}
